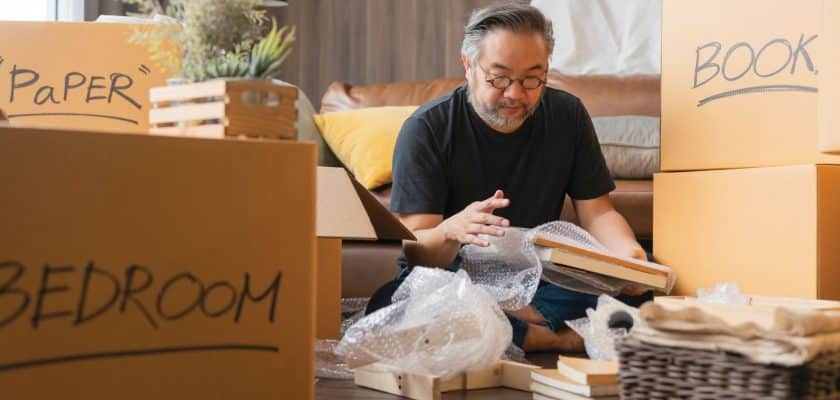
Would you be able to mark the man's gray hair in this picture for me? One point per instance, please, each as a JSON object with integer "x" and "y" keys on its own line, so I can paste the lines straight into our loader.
{"x": 514, "y": 17}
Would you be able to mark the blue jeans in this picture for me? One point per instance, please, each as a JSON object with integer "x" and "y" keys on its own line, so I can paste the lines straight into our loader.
{"x": 557, "y": 305}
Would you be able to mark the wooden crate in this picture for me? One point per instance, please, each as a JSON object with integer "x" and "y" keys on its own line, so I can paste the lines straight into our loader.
{"x": 223, "y": 108}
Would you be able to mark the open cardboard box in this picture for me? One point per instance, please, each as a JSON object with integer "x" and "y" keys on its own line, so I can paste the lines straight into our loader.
{"x": 345, "y": 210}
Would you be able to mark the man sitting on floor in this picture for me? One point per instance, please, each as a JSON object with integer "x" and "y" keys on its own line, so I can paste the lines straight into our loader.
{"x": 502, "y": 151}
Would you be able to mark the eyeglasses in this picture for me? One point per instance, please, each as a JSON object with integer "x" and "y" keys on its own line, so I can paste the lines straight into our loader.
{"x": 503, "y": 82}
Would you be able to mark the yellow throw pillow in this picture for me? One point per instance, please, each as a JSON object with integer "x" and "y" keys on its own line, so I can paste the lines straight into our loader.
{"x": 364, "y": 139}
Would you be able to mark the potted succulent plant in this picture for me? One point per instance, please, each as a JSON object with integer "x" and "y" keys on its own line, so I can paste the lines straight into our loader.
{"x": 206, "y": 39}
{"x": 222, "y": 56}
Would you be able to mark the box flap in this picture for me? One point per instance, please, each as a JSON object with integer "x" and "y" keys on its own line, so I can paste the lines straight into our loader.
{"x": 340, "y": 213}
{"x": 387, "y": 226}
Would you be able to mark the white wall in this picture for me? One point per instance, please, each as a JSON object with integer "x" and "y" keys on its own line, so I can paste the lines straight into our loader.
{"x": 605, "y": 36}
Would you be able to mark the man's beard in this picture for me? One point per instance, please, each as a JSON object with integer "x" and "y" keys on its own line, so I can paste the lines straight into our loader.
{"x": 490, "y": 113}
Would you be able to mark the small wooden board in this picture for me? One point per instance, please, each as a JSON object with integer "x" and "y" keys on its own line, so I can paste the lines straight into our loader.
{"x": 426, "y": 387}
{"x": 588, "y": 372}
{"x": 640, "y": 266}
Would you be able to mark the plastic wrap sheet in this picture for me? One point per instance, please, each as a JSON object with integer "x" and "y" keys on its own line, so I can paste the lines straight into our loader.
{"x": 508, "y": 269}
{"x": 440, "y": 323}
{"x": 610, "y": 320}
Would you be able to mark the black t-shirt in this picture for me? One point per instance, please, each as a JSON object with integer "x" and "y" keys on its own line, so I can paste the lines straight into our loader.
{"x": 446, "y": 157}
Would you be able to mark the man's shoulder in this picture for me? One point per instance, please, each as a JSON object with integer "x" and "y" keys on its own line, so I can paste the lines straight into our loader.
{"x": 558, "y": 98}
{"x": 438, "y": 111}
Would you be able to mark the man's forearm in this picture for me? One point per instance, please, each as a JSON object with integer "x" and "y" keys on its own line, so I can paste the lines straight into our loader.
{"x": 613, "y": 231}
{"x": 431, "y": 249}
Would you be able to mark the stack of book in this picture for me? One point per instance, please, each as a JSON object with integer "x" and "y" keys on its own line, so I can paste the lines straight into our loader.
{"x": 575, "y": 379}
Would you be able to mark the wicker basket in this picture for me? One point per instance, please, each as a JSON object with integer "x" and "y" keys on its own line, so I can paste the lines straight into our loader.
{"x": 651, "y": 371}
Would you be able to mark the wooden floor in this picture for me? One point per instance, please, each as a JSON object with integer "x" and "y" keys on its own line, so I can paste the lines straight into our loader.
{"x": 332, "y": 389}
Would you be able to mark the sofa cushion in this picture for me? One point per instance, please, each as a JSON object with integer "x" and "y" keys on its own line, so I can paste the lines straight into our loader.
{"x": 364, "y": 140}
{"x": 633, "y": 199}
{"x": 344, "y": 96}
{"x": 630, "y": 144}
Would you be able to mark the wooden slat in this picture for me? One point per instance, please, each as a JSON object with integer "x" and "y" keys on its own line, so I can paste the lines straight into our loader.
{"x": 412, "y": 386}
{"x": 584, "y": 263}
{"x": 209, "y": 131}
{"x": 189, "y": 112}
{"x": 484, "y": 379}
{"x": 187, "y": 91}
{"x": 517, "y": 375}
{"x": 417, "y": 386}
{"x": 277, "y": 122}
{"x": 634, "y": 265}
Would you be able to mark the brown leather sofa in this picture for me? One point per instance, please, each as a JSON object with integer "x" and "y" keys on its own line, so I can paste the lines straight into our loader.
{"x": 367, "y": 265}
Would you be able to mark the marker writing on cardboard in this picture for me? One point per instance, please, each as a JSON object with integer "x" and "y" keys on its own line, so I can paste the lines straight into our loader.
{"x": 128, "y": 294}
{"x": 25, "y": 85}
{"x": 733, "y": 71}
{"x": 131, "y": 290}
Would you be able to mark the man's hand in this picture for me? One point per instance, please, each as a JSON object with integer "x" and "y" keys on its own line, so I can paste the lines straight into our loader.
{"x": 475, "y": 219}
{"x": 639, "y": 254}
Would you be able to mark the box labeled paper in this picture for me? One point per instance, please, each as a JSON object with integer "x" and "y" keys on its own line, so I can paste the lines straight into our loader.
{"x": 78, "y": 75}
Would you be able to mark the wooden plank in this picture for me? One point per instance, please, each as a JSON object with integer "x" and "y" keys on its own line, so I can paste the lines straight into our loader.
{"x": 413, "y": 386}
{"x": 584, "y": 263}
{"x": 187, "y": 112}
{"x": 517, "y": 375}
{"x": 208, "y": 131}
{"x": 457, "y": 382}
{"x": 417, "y": 386}
{"x": 190, "y": 91}
{"x": 631, "y": 264}
{"x": 273, "y": 120}
{"x": 588, "y": 372}
{"x": 482, "y": 379}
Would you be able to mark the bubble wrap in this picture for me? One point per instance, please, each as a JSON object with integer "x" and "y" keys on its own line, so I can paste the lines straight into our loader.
{"x": 439, "y": 324}
{"x": 610, "y": 320}
{"x": 443, "y": 323}
{"x": 510, "y": 268}
{"x": 328, "y": 364}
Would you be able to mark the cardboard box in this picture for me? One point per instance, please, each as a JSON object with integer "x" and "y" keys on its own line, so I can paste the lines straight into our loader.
{"x": 739, "y": 84}
{"x": 346, "y": 210}
{"x": 81, "y": 75}
{"x": 774, "y": 231}
{"x": 139, "y": 267}
{"x": 829, "y": 99}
